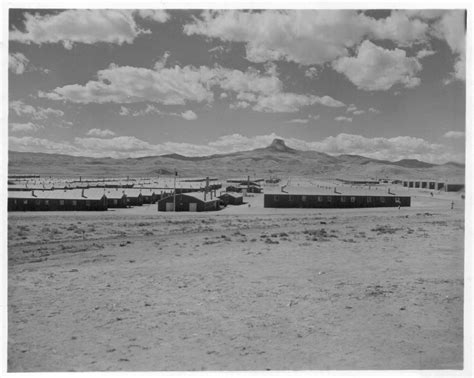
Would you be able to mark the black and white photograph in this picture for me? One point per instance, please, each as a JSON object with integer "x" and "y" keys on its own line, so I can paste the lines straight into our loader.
{"x": 196, "y": 188}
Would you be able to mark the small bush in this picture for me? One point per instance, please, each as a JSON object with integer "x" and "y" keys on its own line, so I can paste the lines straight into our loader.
{"x": 385, "y": 229}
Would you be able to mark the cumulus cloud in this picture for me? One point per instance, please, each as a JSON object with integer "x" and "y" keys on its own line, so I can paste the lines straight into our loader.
{"x": 38, "y": 113}
{"x": 25, "y": 127}
{"x": 311, "y": 72}
{"x": 218, "y": 49}
{"x": 351, "y": 108}
{"x": 401, "y": 147}
{"x": 455, "y": 135}
{"x": 32, "y": 144}
{"x": 424, "y": 14}
{"x": 169, "y": 86}
{"x": 308, "y": 37}
{"x": 124, "y": 111}
{"x": 149, "y": 109}
{"x": 17, "y": 63}
{"x": 224, "y": 95}
{"x": 305, "y": 36}
{"x": 238, "y": 142}
{"x": 400, "y": 28}
{"x": 373, "y": 110}
{"x": 21, "y": 108}
{"x": 288, "y": 102}
{"x": 424, "y": 53}
{"x": 375, "y": 68}
{"x": 158, "y": 15}
{"x": 451, "y": 29}
{"x": 116, "y": 144}
{"x": 245, "y": 96}
{"x": 179, "y": 85}
{"x": 102, "y": 133}
{"x": 189, "y": 115}
{"x": 298, "y": 120}
{"x": 250, "y": 81}
{"x": 152, "y": 109}
{"x": 343, "y": 119}
{"x": 239, "y": 105}
{"x": 358, "y": 112}
{"x": 78, "y": 26}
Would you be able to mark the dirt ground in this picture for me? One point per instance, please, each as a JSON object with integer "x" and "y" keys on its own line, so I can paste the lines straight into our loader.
{"x": 245, "y": 288}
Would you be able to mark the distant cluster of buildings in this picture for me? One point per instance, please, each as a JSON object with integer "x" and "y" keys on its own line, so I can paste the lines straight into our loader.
{"x": 79, "y": 199}
{"x": 32, "y": 193}
{"x": 434, "y": 185}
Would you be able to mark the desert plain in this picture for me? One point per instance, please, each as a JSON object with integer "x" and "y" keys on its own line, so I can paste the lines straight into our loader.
{"x": 245, "y": 288}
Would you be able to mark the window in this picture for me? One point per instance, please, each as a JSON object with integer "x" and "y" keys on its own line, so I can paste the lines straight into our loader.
{"x": 74, "y": 203}
{"x": 275, "y": 198}
{"x": 303, "y": 198}
{"x": 14, "y": 202}
{"x": 115, "y": 201}
{"x": 353, "y": 199}
{"x": 343, "y": 199}
{"x": 329, "y": 198}
{"x": 61, "y": 202}
{"x": 291, "y": 198}
{"x": 88, "y": 203}
{"x": 382, "y": 199}
{"x": 25, "y": 202}
{"x": 369, "y": 199}
{"x": 46, "y": 202}
{"x": 37, "y": 202}
{"x": 320, "y": 199}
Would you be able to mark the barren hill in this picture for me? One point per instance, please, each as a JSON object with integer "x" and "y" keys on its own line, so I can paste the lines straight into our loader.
{"x": 276, "y": 159}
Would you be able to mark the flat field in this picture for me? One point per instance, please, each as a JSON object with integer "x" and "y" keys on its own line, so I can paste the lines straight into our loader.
{"x": 246, "y": 288}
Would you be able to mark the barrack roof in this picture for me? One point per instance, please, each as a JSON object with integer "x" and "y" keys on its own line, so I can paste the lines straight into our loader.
{"x": 340, "y": 190}
{"x": 73, "y": 194}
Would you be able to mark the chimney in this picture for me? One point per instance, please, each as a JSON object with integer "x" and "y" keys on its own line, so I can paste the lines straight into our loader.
{"x": 82, "y": 194}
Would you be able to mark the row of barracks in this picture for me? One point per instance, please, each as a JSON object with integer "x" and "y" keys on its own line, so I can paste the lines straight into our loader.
{"x": 433, "y": 185}
{"x": 79, "y": 199}
{"x": 337, "y": 198}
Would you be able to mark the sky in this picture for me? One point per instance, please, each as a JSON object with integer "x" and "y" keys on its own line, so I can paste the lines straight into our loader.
{"x": 386, "y": 84}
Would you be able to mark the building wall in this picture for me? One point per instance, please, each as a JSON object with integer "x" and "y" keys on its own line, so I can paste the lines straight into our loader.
{"x": 230, "y": 200}
{"x": 42, "y": 204}
{"x": 149, "y": 198}
{"x": 331, "y": 201}
{"x": 454, "y": 187}
{"x": 182, "y": 203}
{"x": 114, "y": 203}
{"x": 135, "y": 201}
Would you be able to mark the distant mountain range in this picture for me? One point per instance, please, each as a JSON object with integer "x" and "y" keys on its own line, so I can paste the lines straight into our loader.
{"x": 275, "y": 160}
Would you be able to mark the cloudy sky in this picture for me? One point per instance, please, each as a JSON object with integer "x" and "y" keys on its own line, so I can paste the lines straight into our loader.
{"x": 128, "y": 83}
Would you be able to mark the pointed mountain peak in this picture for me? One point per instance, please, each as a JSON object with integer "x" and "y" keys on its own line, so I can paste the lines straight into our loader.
{"x": 279, "y": 145}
